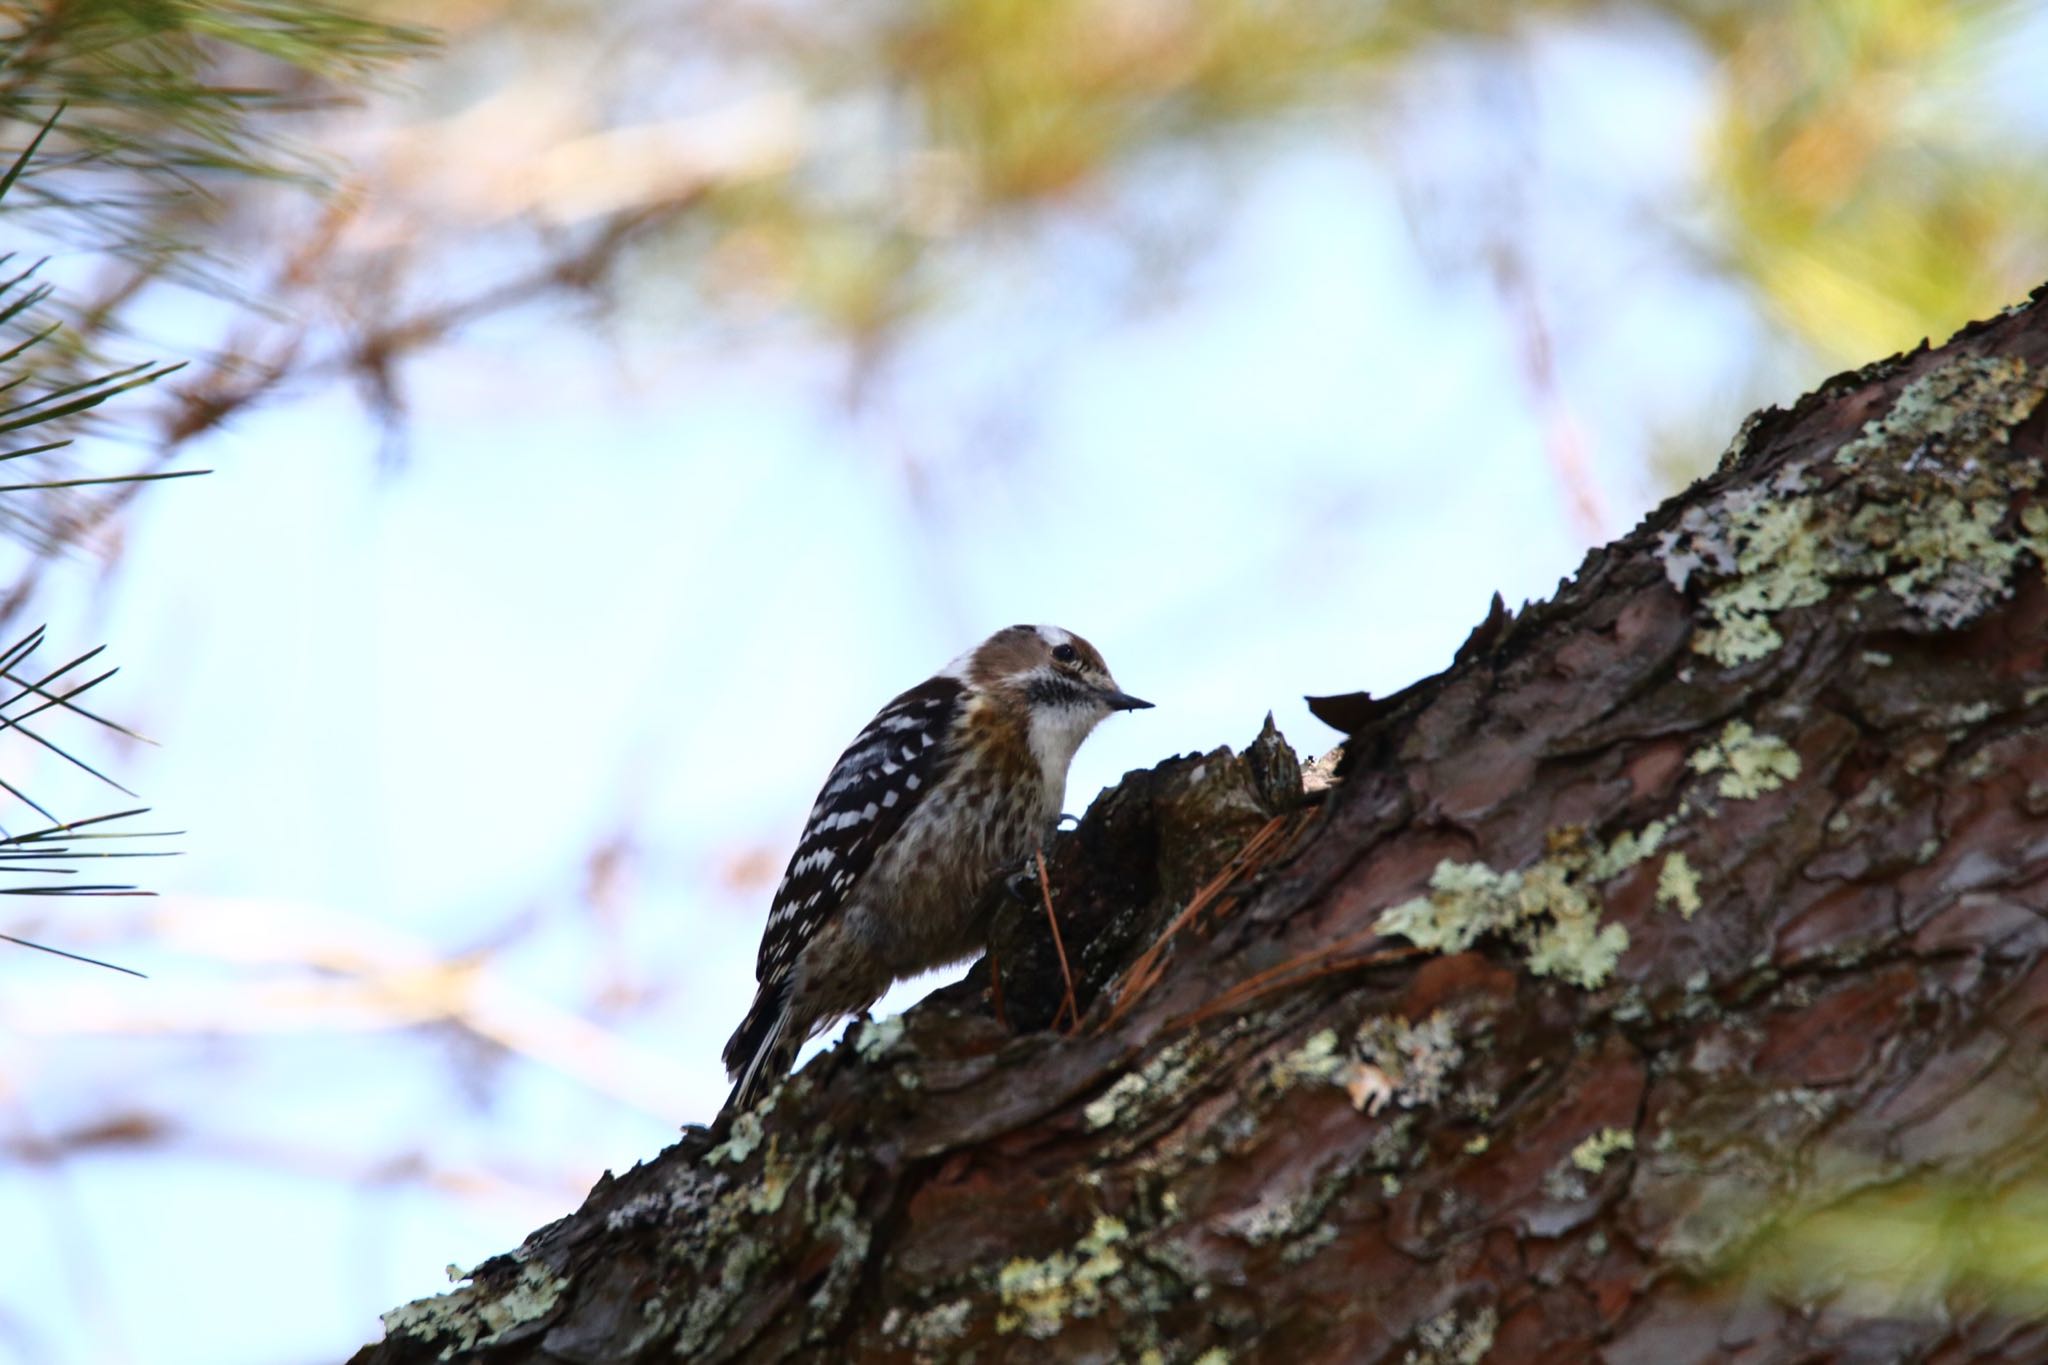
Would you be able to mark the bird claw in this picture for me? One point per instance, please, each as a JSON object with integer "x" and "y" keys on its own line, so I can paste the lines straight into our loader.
{"x": 1021, "y": 886}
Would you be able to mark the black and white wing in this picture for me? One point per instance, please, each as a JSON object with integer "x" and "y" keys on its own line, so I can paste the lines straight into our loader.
{"x": 894, "y": 763}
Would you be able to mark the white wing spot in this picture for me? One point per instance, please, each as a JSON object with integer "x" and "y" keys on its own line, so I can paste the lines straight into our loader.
{"x": 888, "y": 800}
{"x": 911, "y": 781}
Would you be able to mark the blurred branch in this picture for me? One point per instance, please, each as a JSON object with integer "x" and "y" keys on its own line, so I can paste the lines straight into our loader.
{"x": 1564, "y": 440}
{"x": 340, "y": 973}
{"x": 137, "y": 1130}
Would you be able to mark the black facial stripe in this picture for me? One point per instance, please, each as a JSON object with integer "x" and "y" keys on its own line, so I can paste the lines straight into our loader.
{"x": 1055, "y": 692}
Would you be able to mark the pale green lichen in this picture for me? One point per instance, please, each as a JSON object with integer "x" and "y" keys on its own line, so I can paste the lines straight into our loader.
{"x": 1750, "y": 763}
{"x": 1591, "y": 1155}
{"x": 1465, "y": 901}
{"x": 837, "y": 1218}
{"x": 932, "y": 1328}
{"x": 1416, "y": 1060}
{"x": 1040, "y": 1295}
{"x": 1388, "y": 1059}
{"x": 1545, "y": 908}
{"x": 1262, "y": 1223}
{"x": 1310, "y": 1244}
{"x": 1318, "y": 1059}
{"x": 1567, "y": 1182}
{"x": 1678, "y": 886}
{"x": 767, "y": 1194}
{"x": 740, "y": 1143}
{"x": 719, "y": 1216}
{"x": 1553, "y": 908}
{"x": 1168, "y": 1070}
{"x": 1392, "y": 1145}
{"x": 878, "y": 1036}
{"x": 1630, "y": 847}
{"x": 1762, "y": 544}
{"x": 1933, "y": 489}
{"x": 1215, "y": 1355}
{"x": 1964, "y": 406}
{"x": 1954, "y": 561}
{"x": 475, "y": 1316}
{"x": 1454, "y": 1339}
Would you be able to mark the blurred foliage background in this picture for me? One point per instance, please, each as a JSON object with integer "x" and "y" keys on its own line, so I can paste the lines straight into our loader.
{"x": 945, "y": 234}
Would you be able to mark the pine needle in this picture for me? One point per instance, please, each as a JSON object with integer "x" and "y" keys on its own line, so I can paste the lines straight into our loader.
{"x": 1068, "y": 1005}
{"x": 75, "y": 957}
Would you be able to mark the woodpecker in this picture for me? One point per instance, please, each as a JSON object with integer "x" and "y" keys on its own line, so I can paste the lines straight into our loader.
{"x": 953, "y": 784}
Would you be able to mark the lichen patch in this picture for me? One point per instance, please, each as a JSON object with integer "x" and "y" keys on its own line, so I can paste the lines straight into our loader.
{"x": 1454, "y": 1338}
{"x": 1928, "y": 512}
{"x": 740, "y": 1143}
{"x": 1547, "y": 908}
{"x": 1040, "y": 1295}
{"x": 1591, "y": 1155}
{"x": 476, "y": 1316}
{"x": 878, "y": 1036}
{"x": 1750, "y": 762}
{"x": 1949, "y": 419}
{"x": 1318, "y": 1059}
{"x": 1167, "y": 1071}
{"x": 1678, "y": 886}
{"x": 1417, "y": 1060}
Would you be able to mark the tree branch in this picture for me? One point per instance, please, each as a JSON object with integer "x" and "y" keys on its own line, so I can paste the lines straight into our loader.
{"x": 1683, "y": 917}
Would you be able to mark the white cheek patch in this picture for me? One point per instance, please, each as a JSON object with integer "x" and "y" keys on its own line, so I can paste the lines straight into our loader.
{"x": 1056, "y": 732}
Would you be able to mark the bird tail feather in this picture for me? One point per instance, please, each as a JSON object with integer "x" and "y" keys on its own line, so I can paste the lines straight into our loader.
{"x": 758, "y": 1040}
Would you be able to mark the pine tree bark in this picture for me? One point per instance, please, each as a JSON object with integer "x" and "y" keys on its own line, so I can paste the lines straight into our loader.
{"x": 1664, "y": 981}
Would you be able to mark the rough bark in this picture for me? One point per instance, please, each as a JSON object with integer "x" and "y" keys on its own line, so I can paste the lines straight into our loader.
{"x": 1704, "y": 900}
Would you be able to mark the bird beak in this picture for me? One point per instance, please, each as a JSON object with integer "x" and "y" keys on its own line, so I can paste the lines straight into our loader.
{"x": 1123, "y": 701}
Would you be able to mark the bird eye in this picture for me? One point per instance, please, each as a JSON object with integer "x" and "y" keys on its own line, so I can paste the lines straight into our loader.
{"x": 1066, "y": 654}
